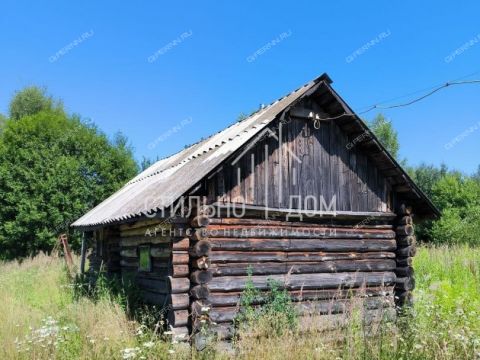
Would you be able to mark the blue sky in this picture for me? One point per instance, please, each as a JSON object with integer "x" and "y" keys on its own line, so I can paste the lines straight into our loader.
{"x": 201, "y": 83}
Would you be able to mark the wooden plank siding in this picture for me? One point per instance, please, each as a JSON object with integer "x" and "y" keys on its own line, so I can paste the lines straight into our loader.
{"x": 309, "y": 163}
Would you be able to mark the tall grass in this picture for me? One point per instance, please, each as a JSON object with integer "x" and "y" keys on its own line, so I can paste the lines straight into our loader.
{"x": 42, "y": 319}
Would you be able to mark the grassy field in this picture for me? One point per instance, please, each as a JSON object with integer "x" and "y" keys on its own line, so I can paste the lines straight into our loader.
{"x": 42, "y": 319}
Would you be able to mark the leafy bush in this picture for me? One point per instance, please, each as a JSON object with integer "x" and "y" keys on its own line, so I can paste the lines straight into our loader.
{"x": 117, "y": 289}
{"x": 458, "y": 226}
{"x": 272, "y": 310}
{"x": 458, "y": 198}
{"x": 53, "y": 168}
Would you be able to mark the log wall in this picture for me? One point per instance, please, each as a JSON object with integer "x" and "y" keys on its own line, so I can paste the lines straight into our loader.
{"x": 167, "y": 284}
{"x": 406, "y": 250}
{"x": 200, "y": 267}
{"x": 321, "y": 266}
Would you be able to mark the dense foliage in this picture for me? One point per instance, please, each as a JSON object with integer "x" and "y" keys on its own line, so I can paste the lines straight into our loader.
{"x": 455, "y": 194}
{"x": 53, "y": 167}
{"x": 32, "y": 100}
{"x": 458, "y": 198}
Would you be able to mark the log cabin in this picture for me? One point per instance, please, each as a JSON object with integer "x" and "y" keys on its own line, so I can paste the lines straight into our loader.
{"x": 301, "y": 192}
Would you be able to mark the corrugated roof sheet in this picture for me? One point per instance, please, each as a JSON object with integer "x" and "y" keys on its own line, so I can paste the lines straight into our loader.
{"x": 168, "y": 179}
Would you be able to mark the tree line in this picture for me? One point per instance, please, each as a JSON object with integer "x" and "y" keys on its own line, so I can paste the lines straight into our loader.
{"x": 457, "y": 195}
{"x": 55, "y": 166}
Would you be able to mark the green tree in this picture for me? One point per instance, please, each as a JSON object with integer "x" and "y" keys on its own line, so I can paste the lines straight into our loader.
{"x": 426, "y": 176}
{"x": 455, "y": 190}
{"x": 32, "y": 100}
{"x": 384, "y": 131}
{"x": 476, "y": 176}
{"x": 53, "y": 168}
{"x": 458, "y": 196}
{"x": 3, "y": 120}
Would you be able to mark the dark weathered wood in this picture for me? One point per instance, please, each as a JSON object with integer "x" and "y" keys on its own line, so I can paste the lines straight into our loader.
{"x": 142, "y": 240}
{"x": 181, "y": 243}
{"x": 404, "y": 210}
{"x": 295, "y": 245}
{"x": 228, "y": 314}
{"x": 140, "y": 224}
{"x": 304, "y": 281}
{"x": 199, "y": 234}
{"x": 370, "y": 224}
{"x": 180, "y": 257}
{"x": 325, "y": 168}
{"x": 406, "y": 220}
{"x": 233, "y": 298}
{"x": 152, "y": 285}
{"x": 201, "y": 263}
{"x": 405, "y": 283}
{"x": 406, "y": 240}
{"x": 157, "y": 230}
{"x": 177, "y": 318}
{"x": 200, "y": 292}
{"x": 404, "y": 261}
{"x": 403, "y": 298}
{"x": 180, "y": 270}
{"x": 256, "y": 256}
{"x": 316, "y": 324}
{"x": 178, "y": 285}
{"x": 201, "y": 307}
{"x": 200, "y": 221}
{"x": 408, "y": 251}
{"x": 404, "y": 271}
{"x": 201, "y": 248}
{"x": 172, "y": 301}
{"x": 201, "y": 276}
{"x": 235, "y": 231}
{"x": 231, "y": 269}
{"x": 129, "y": 253}
{"x": 83, "y": 253}
{"x": 160, "y": 252}
{"x": 340, "y": 306}
{"x": 405, "y": 230}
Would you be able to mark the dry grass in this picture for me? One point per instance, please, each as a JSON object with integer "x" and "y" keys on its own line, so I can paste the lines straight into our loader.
{"x": 41, "y": 320}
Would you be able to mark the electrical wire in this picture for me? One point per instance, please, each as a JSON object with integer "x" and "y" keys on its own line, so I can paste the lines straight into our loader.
{"x": 451, "y": 83}
{"x": 430, "y": 93}
{"x": 419, "y": 91}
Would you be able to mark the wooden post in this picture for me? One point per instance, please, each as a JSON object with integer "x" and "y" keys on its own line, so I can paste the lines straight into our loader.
{"x": 83, "y": 253}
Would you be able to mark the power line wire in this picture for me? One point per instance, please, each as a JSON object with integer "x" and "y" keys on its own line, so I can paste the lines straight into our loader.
{"x": 451, "y": 83}
{"x": 433, "y": 91}
{"x": 419, "y": 91}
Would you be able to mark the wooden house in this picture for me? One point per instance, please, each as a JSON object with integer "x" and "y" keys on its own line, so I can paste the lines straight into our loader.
{"x": 300, "y": 192}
